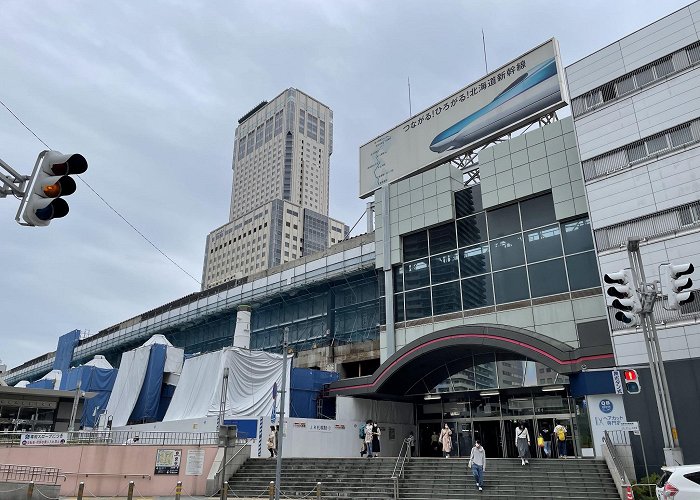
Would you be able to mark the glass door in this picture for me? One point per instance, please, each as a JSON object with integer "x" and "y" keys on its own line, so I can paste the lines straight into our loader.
{"x": 488, "y": 432}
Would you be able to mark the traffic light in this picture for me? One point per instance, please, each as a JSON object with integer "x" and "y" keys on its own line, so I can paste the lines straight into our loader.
{"x": 51, "y": 181}
{"x": 676, "y": 282}
{"x": 626, "y": 300}
{"x": 632, "y": 382}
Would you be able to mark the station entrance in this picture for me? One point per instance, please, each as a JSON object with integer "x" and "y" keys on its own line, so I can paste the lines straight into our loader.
{"x": 493, "y": 420}
{"x": 482, "y": 380}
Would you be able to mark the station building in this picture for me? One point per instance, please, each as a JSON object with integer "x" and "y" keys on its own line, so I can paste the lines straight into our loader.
{"x": 476, "y": 299}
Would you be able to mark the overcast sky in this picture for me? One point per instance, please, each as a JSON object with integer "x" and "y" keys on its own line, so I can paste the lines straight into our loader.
{"x": 150, "y": 93}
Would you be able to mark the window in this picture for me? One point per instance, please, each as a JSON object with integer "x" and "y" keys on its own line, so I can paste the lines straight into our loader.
{"x": 511, "y": 285}
{"x": 543, "y": 243}
{"x": 583, "y": 271}
{"x": 398, "y": 307}
{"x": 538, "y": 211}
{"x": 398, "y": 279}
{"x": 442, "y": 238}
{"x": 474, "y": 260}
{"x": 416, "y": 274}
{"x": 472, "y": 230}
{"x": 504, "y": 221}
{"x": 418, "y": 304}
{"x": 507, "y": 252}
{"x": 446, "y": 298}
{"x": 477, "y": 292}
{"x": 548, "y": 278}
{"x": 577, "y": 236}
{"x": 415, "y": 246}
{"x": 468, "y": 201}
{"x": 444, "y": 267}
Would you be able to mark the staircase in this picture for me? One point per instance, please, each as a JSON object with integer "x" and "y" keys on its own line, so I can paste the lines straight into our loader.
{"x": 448, "y": 479}
{"x": 427, "y": 478}
{"x": 341, "y": 478}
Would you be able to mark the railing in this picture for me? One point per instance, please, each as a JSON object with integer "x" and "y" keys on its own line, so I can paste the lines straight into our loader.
{"x": 404, "y": 454}
{"x": 615, "y": 465}
{"x": 110, "y": 437}
{"x": 245, "y": 441}
{"x": 29, "y": 473}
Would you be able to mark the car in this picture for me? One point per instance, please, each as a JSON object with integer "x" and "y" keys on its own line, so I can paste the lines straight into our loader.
{"x": 679, "y": 483}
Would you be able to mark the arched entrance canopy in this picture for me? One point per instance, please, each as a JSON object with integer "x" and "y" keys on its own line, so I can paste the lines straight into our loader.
{"x": 451, "y": 347}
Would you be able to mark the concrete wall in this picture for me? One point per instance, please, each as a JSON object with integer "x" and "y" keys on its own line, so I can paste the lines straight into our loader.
{"x": 102, "y": 468}
{"x": 541, "y": 160}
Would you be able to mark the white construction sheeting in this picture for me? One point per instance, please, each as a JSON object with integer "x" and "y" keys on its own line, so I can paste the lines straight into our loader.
{"x": 252, "y": 375}
{"x": 100, "y": 361}
{"x": 131, "y": 375}
{"x": 127, "y": 387}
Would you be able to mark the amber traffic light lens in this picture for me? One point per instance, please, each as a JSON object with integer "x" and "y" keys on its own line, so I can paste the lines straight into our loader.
{"x": 52, "y": 191}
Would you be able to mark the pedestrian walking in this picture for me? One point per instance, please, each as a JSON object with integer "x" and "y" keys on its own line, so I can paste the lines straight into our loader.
{"x": 560, "y": 436}
{"x": 477, "y": 463}
{"x": 272, "y": 442}
{"x": 434, "y": 443}
{"x": 544, "y": 440}
{"x": 368, "y": 438}
{"x": 411, "y": 442}
{"x": 522, "y": 442}
{"x": 363, "y": 445}
{"x": 446, "y": 440}
{"x": 376, "y": 445}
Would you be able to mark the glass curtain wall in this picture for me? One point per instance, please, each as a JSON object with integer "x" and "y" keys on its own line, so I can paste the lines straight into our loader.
{"x": 487, "y": 257}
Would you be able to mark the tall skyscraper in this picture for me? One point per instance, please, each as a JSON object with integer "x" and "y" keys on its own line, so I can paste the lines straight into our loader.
{"x": 279, "y": 195}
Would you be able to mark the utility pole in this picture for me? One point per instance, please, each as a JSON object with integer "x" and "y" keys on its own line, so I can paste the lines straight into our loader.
{"x": 648, "y": 293}
{"x": 283, "y": 392}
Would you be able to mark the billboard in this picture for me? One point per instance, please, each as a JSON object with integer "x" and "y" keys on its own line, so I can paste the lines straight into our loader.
{"x": 517, "y": 93}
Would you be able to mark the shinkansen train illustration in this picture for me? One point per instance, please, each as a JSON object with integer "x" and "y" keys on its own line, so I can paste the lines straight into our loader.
{"x": 535, "y": 90}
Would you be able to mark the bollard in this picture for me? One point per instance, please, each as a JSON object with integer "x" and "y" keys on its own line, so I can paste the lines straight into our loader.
{"x": 130, "y": 494}
{"x": 318, "y": 490}
{"x": 224, "y": 491}
{"x": 271, "y": 490}
{"x": 30, "y": 489}
{"x": 178, "y": 490}
{"x": 81, "y": 488}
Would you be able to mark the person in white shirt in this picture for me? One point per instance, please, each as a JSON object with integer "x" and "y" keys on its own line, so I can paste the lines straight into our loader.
{"x": 368, "y": 438}
{"x": 477, "y": 463}
{"x": 522, "y": 442}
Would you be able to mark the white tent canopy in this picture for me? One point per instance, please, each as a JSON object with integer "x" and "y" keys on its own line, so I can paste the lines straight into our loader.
{"x": 99, "y": 361}
{"x": 252, "y": 376}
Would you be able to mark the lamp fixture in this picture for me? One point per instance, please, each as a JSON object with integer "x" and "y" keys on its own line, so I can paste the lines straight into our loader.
{"x": 553, "y": 388}
{"x": 488, "y": 393}
{"x": 428, "y": 397}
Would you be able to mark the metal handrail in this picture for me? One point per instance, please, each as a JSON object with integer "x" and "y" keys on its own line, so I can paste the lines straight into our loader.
{"x": 119, "y": 437}
{"x": 27, "y": 473}
{"x": 108, "y": 474}
{"x": 400, "y": 460}
{"x": 619, "y": 469}
{"x": 246, "y": 442}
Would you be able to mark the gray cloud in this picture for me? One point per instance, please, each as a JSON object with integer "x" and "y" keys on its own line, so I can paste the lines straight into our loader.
{"x": 150, "y": 93}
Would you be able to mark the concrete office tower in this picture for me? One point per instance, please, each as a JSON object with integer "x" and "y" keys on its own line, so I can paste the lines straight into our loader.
{"x": 636, "y": 110}
{"x": 279, "y": 195}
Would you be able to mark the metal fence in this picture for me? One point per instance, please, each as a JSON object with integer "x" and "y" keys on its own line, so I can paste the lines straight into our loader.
{"x": 28, "y": 473}
{"x": 124, "y": 437}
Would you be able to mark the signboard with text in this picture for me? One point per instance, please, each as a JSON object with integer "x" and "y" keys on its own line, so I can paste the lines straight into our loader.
{"x": 43, "y": 438}
{"x": 514, "y": 95}
{"x": 168, "y": 461}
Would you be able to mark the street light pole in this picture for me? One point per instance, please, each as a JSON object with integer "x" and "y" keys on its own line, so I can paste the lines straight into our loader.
{"x": 672, "y": 451}
{"x": 283, "y": 392}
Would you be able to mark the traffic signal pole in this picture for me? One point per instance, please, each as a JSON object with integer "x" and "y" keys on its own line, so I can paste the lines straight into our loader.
{"x": 648, "y": 292}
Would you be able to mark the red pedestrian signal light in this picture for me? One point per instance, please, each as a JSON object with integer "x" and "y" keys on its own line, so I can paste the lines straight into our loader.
{"x": 632, "y": 382}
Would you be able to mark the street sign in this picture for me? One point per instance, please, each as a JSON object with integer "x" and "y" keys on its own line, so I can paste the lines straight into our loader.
{"x": 617, "y": 380}
{"x": 630, "y": 427}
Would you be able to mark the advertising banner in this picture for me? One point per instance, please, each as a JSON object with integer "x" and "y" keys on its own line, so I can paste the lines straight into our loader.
{"x": 515, "y": 94}
{"x": 43, "y": 438}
